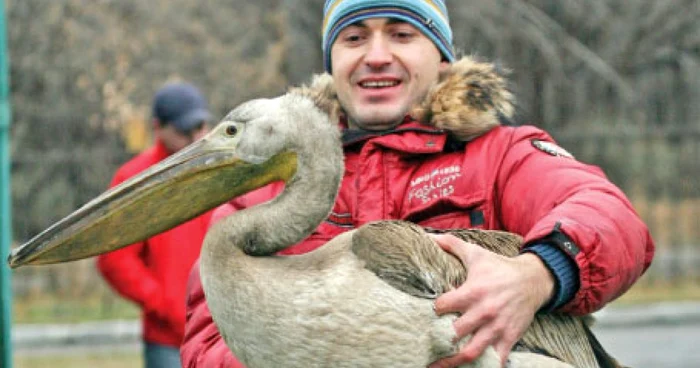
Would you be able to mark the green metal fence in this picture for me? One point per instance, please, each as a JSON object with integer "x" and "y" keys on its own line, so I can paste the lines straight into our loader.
{"x": 5, "y": 219}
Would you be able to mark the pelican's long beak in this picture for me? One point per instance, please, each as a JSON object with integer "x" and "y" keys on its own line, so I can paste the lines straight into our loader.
{"x": 187, "y": 184}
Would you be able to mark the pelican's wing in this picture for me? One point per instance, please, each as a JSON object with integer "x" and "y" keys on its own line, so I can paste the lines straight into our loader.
{"x": 500, "y": 242}
{"x": 401, "y": 254}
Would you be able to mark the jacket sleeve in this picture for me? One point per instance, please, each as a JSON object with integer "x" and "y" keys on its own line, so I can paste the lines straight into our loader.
{"x": 125, "y": 271}
{"x": 544, "y": 195}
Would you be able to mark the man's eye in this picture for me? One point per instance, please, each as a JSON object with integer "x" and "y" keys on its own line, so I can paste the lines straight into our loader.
{"x": 404, "y": 35}
{"x": 352, "y": 38}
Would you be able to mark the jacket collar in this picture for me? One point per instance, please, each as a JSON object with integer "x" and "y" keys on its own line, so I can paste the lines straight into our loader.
{"x": 410, "y": 137}
{"x": 352, "y": 136}
{"x": 469, "y": 99}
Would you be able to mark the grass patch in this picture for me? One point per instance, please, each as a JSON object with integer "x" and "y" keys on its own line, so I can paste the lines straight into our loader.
{"x": 57, "y": 309}
{"x": 103, "y": 360}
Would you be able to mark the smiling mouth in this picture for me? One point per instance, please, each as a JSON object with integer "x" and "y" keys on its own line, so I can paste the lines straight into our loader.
{"x": 379, "y": 84}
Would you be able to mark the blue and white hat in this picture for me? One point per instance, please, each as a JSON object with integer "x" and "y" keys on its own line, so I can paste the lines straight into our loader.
{"x": 428, "y": 16}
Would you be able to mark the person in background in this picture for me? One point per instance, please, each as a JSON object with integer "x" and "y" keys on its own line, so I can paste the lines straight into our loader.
{"x": 153, "y": 273}
{"x": 584, "y": 245}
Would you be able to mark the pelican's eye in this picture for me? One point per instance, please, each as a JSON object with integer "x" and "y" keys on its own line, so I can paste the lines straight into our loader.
{"x": 231, "y": 130}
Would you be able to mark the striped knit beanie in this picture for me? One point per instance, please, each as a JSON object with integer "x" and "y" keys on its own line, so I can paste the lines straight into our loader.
{"x": 428, "y": 16}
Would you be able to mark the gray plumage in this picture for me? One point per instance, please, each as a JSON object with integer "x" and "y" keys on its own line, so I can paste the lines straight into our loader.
{"x": 404, "y": 256}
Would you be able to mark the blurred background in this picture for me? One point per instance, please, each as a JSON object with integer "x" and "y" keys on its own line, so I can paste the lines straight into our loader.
{"x": 616, "y": 82}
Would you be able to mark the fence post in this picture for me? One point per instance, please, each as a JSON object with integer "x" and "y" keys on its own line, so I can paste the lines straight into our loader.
{"x": 5, "y": 218}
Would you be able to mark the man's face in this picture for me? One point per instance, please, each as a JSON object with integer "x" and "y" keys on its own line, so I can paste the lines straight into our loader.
{"x": 175, "y": 140}
{"x": 381, "y": 68}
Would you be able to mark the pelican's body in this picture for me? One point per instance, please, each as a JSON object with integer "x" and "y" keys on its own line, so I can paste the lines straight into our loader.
{"x": 334, "y": 307}
{"x": 331, "y": 310}
{"x": 346, "y": 304}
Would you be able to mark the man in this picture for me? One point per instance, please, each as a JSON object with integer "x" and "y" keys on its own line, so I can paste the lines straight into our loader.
{"x": 153, "y": 273}
{"x": 583, "y": 243}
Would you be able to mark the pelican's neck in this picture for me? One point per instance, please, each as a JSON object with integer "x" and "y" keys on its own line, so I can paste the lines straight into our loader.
{"x": 305, "y": 202}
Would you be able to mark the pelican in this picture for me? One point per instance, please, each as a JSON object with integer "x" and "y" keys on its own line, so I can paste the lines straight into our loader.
{"x": 364, "y": 299}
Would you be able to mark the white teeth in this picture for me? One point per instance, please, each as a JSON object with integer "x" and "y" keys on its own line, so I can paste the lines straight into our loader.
{"x": 379, "y": 84}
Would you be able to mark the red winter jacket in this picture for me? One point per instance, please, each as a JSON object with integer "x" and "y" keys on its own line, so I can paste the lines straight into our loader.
{"x": 499, "y": 180}
{"x": 153, "y": 273}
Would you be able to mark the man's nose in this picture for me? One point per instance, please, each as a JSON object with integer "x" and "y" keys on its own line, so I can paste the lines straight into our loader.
{"x": 378, "y": 53}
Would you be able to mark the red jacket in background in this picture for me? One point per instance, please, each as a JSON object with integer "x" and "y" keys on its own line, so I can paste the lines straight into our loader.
{"x": 500, "y": 180}
{"x": 153, "y": 273}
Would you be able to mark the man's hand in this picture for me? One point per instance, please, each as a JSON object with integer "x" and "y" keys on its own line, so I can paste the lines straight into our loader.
{"x": 498, "y": 301}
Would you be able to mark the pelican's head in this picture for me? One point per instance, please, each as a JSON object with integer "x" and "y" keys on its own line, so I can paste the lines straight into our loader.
{"x": 252, "y": 146}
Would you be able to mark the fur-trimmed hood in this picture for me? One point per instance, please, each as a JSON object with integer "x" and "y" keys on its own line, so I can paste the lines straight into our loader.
{"x": 469, "y": 99}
